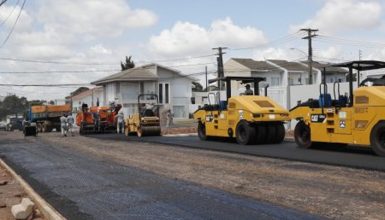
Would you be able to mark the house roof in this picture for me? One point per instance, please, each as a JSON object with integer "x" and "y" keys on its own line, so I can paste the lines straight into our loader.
{"x": 134, "y": 74}
{"x": 86, "y": 92}
{"x": 253, "y": 64}
{"x": 329, "y": 67}
{"x": 290, "y": 66}
{"x": 141, "y": 73}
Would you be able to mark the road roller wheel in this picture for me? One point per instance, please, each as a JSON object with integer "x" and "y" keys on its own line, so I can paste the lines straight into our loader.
{"x": 245, "y": 134}
{"x": 260, "y": 131}
{"x": 202, "y": 131}
{"x": 302, "y": 135}
{"x": 271, "y": 133}
{"x": 377, "y": 139}
{"x": 280, "y": 133}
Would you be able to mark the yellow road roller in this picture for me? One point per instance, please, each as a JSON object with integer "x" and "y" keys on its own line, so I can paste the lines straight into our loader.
{"x": 356, "y": 119}
{"x": 146, "y": 121}
{"x": 250, "y": 119}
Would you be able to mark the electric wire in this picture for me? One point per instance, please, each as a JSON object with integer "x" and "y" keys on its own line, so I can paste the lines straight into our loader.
{"x": 9, "y": 15}
{"x": 14, "y": 25}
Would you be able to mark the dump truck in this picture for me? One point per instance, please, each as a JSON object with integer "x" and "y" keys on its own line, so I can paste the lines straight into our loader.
{"x": 97, "y": 119}
{"x": 250, "y": 119}
{"x": 356, "y": 119}
{"x": 47, "y": 117}
{"x": 146, "y": 122}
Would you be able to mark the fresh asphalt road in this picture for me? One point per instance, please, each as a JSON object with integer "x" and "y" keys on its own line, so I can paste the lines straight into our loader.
{"x": 85, "y": 187}
{"x": 354, "y": 157}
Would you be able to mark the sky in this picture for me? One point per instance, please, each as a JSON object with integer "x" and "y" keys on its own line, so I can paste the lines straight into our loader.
{"x": 77, "y": 42}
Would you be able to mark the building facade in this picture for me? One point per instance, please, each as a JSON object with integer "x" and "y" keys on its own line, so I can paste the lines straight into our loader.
{"x": 174, "y": 90}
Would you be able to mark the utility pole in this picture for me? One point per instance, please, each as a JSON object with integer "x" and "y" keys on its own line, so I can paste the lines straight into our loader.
{"x": 206, "y": 78}
{"x": 358, "y": 71}
{"x": 310, "y": 35}
{"x": 221, "y": 72}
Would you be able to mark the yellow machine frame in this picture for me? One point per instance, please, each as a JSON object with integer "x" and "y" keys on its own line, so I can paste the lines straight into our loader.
{"x": 359, "y": 121}
{"x": 250, "y": 119}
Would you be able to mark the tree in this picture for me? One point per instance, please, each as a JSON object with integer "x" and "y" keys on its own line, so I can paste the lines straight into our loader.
{"x": 197, "y": 87}
{"x": 13, "y": 105}
{"x": 129, "y": 64}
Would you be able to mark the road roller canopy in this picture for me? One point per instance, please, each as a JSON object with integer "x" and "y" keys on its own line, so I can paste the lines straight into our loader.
{"x": 242, "y": 79}
{"x": 362, "y": 65}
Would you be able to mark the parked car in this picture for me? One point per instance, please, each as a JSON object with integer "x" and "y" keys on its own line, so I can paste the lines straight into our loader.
{"x": 3, "y": 126}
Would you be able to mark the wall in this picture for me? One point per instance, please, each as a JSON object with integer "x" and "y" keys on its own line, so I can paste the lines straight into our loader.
{"x": 88, "y": 97}
{"x": 180, "y": 92}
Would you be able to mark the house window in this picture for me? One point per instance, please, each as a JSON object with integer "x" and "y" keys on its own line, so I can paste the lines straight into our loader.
{"x": 275, "y": 81}
{"x": 167, "y": 92}
{"x": 141, "y": 87}
{"x": 164, "y": 93}
{"x": 160, "y": 93}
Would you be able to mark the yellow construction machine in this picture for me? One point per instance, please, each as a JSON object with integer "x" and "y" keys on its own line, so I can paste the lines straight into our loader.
{"x": 250, "y": 119}
{"x": 146, "y": 121}
{"x": 357, "y": 119}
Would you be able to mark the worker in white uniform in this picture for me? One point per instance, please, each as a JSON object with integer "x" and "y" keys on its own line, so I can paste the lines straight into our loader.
{"x": 71, "y": 122}
{"x": 63, "y": 125}
{"x": 120, "y": 122}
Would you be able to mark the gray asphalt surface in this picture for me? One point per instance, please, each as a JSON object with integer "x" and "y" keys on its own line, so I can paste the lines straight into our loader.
{"x": 354, "y": 157}
{"x": 83, "y": 187}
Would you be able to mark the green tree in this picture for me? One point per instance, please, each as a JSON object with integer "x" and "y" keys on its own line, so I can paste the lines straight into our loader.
{"x": 13, "y": 105}
{"x": 197, "y": 87}
{"x": 129, "y": 64}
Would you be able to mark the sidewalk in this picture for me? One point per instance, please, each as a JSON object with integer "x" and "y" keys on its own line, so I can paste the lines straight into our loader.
{"x": 13, "y": 189}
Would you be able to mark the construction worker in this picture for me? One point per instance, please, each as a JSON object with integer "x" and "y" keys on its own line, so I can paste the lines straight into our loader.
{"x": 63, "y": 125}
{"x": 248, "y": 91}
{"x": 120, "y": 122}
{"x": 71, "y": 122}
{"x": 169, "y": 118}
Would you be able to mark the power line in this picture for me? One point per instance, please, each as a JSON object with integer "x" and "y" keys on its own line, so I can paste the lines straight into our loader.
{"x": 2, "y": 2}
{"x": 14, "y": 24}
{"x": 45, "y": 85}
{"x": 284, "y": 39}
{"x": 9, "y": 15}
{"x": 98, "y": 63}
{"x": 57, "y": 71}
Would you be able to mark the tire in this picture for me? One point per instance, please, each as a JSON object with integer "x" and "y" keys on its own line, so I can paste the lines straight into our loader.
{"x": 302, "y": 135}
{"x": 280, "y": 133}
{"x": 202, "y": 131}
{"x": 377, "y": 139}
{"x": 245, "y": 133}
{"x": 260, "y": 133}
{"x": 271, "y": 133}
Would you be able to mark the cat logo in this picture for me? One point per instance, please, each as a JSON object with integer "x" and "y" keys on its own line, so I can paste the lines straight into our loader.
{"x": 342, "y": 124}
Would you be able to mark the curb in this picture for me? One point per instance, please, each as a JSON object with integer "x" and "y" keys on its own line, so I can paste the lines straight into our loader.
{"x": 47, "y": 210}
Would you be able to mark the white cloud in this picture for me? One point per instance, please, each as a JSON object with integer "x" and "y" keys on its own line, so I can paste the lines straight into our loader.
{"x": 94, "y": 17}
{"x": 187, "y": 38}
{"x": 273, "y": 53}
{"x": 330, "y": 53}
{"x": 343, "y": 15}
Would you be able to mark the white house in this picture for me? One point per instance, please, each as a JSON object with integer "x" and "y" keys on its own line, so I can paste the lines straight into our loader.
{"x": 91, "y": 97}
{"x": 173, "y": 89}
{"x": 281, "y": 75}
{"x": 282, "y": 72}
